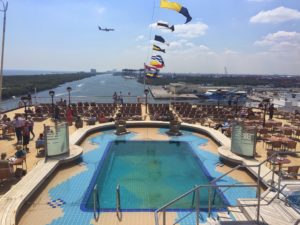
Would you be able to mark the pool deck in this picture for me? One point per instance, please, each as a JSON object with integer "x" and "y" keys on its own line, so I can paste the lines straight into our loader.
{"x": 12, "y": 201}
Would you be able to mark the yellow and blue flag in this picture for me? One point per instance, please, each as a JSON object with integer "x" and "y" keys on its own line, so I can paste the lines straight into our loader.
{"x": 177, "y": 7}
{"x": 159, "y": 49}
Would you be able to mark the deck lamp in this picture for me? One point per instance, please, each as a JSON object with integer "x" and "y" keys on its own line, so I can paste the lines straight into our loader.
{"x": 236, "y": 104}
{"x": 146, "y": 92}
{"x": 219, "y": 91}
{"x": 25, "y": 100}
{"x": 69, "y": 89}
{"x": 52, "y": 93}
{"x": 265, "y": 103}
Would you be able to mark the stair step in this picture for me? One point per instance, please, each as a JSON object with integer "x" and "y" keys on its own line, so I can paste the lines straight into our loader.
{"x": 224, "y": 216}
{"x": 276, "y": 212}
{"x": 237, "y": 214}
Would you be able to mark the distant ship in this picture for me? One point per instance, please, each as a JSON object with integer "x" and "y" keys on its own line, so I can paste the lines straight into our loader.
{"x": 129, "y": 77}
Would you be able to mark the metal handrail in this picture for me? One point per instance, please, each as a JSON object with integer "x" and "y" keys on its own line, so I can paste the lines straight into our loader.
{"x": 195, "y": 189}
{"x": 214, "y": 185}
{"x": 275, "y": 154}
{"x": 118, "y": 203}
{"x": 96, "y": 202}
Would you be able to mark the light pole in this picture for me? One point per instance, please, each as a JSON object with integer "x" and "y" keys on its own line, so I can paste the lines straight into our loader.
{"x": 218, "y": 95}
{"x": 236, "y": 104}
{"x": 52, "y": 93}
{"x": 69, "y": 89}
{"x": 146, "y": 92}
{"x": 265, "y": 103}
{"x": 25, "y": 99}
{"x": 5, "y": 6}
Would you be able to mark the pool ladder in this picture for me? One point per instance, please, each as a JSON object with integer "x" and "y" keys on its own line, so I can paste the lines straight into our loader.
{"x": 96, "y": 203}
{"x": 118, "y": 203}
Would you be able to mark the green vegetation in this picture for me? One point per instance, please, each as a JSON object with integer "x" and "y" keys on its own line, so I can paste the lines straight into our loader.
{"x": 251, "y": 80}
{"x": 21, "y": 85}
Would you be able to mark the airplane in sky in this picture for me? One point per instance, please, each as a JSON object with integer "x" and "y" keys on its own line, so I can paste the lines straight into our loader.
{"x": 106, "y": 29}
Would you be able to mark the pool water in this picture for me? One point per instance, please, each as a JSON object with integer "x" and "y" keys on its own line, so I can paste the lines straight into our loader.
{"x": 294, "y": 198}
{"x": 150, "y": 174}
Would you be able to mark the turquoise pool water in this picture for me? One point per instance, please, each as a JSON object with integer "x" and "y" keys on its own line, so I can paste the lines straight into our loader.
{"x": 150, "y": 174}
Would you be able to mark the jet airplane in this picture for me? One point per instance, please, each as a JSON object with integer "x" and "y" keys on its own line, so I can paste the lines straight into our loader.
{"x": 106, "y": 29}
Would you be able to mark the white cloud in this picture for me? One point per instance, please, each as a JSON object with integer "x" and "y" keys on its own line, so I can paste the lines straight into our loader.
{"x": 282, "y": 38}
{"x": 100, "y": 10}
{"x": 140, "y": 37}
{"x": 278, "y": 15}
{"x": 191, "y": 30}
{"x": 230, "y": 52}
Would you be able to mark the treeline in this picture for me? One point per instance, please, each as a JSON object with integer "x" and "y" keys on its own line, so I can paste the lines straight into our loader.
{"x": 279, "y": 81}
{"x": 21, "y": 85}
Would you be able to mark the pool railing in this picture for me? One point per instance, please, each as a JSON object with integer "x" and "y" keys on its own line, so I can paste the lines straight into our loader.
{"x": 213, "y": 185}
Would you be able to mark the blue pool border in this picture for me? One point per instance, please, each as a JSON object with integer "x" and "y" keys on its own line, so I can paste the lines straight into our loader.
{"x": 83, "y": 205}
{"x": 94, "y": 178}
{"x": 208, "y": 175}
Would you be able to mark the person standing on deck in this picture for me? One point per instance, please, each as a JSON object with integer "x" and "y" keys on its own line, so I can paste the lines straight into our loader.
{"x": 26, "y": 135}
{"x": 69, "y": 116}
{"x": 18, "y": 124}
{"x": 115, "y": 97}
{"x": 121, "y": 98}
{"x": 31, "y": 124}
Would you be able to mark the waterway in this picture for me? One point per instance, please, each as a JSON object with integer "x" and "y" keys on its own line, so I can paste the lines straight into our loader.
{"x": 98, "y": 88}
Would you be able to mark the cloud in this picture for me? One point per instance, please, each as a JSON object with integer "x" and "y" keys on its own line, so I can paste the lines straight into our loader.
{"x": 278, "y": 15}
{"x": 191, "y": 30}
{"x": 100, "y": 10}
{"x": 140, "y": 37}
{"x": 283, "y": 38}
{"x": 230, "y": 52}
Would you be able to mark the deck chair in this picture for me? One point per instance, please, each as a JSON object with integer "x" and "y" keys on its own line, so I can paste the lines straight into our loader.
{"x": 6, "y": 170}
{"x": 291, "y": 173}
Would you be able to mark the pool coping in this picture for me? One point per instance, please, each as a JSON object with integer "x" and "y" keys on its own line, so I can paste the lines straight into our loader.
{"x": 13, "y": 200}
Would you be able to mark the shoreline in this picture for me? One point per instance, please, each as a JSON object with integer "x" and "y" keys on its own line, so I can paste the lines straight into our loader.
{"x": 18, "y": 85}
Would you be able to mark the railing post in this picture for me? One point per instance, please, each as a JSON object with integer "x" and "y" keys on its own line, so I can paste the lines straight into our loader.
{"x": 197, "y": 205}
{"x": 279, "y": 182}
{"x": 209, "y": 202}
{"x": 95, "y": 197}
{"x": 164, "y": 217}
{"x": 273, "y": 169}
{"x": 118, "y": 202}
{"x": 258, "y": 195}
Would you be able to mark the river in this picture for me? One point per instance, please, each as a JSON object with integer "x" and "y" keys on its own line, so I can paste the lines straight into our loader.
{"x": 98, "y": 88}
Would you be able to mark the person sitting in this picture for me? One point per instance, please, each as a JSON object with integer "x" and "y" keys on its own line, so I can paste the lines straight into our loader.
{"x": 6, "y": 169}
{"x": 225, "y": 126}
{"x": 40, "y": 142}
{"x": 20, "y": 153}
{"x": 102, "y": 118}
{"x": 78, "y": 122}
{"x": 92, "y": 120}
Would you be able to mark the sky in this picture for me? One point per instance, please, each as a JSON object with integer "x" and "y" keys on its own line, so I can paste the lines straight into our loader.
{"x": 245, "y": 36}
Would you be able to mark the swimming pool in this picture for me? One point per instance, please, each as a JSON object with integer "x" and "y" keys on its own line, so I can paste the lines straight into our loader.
{"x": 73, "y": 189}
{"x": 294, "y": 199}
{"x": 150, "y": 174}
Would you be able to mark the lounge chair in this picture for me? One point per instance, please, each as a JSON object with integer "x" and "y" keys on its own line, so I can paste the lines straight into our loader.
{"x": 291, "y": 173}
{"x": 6, "y": 170}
